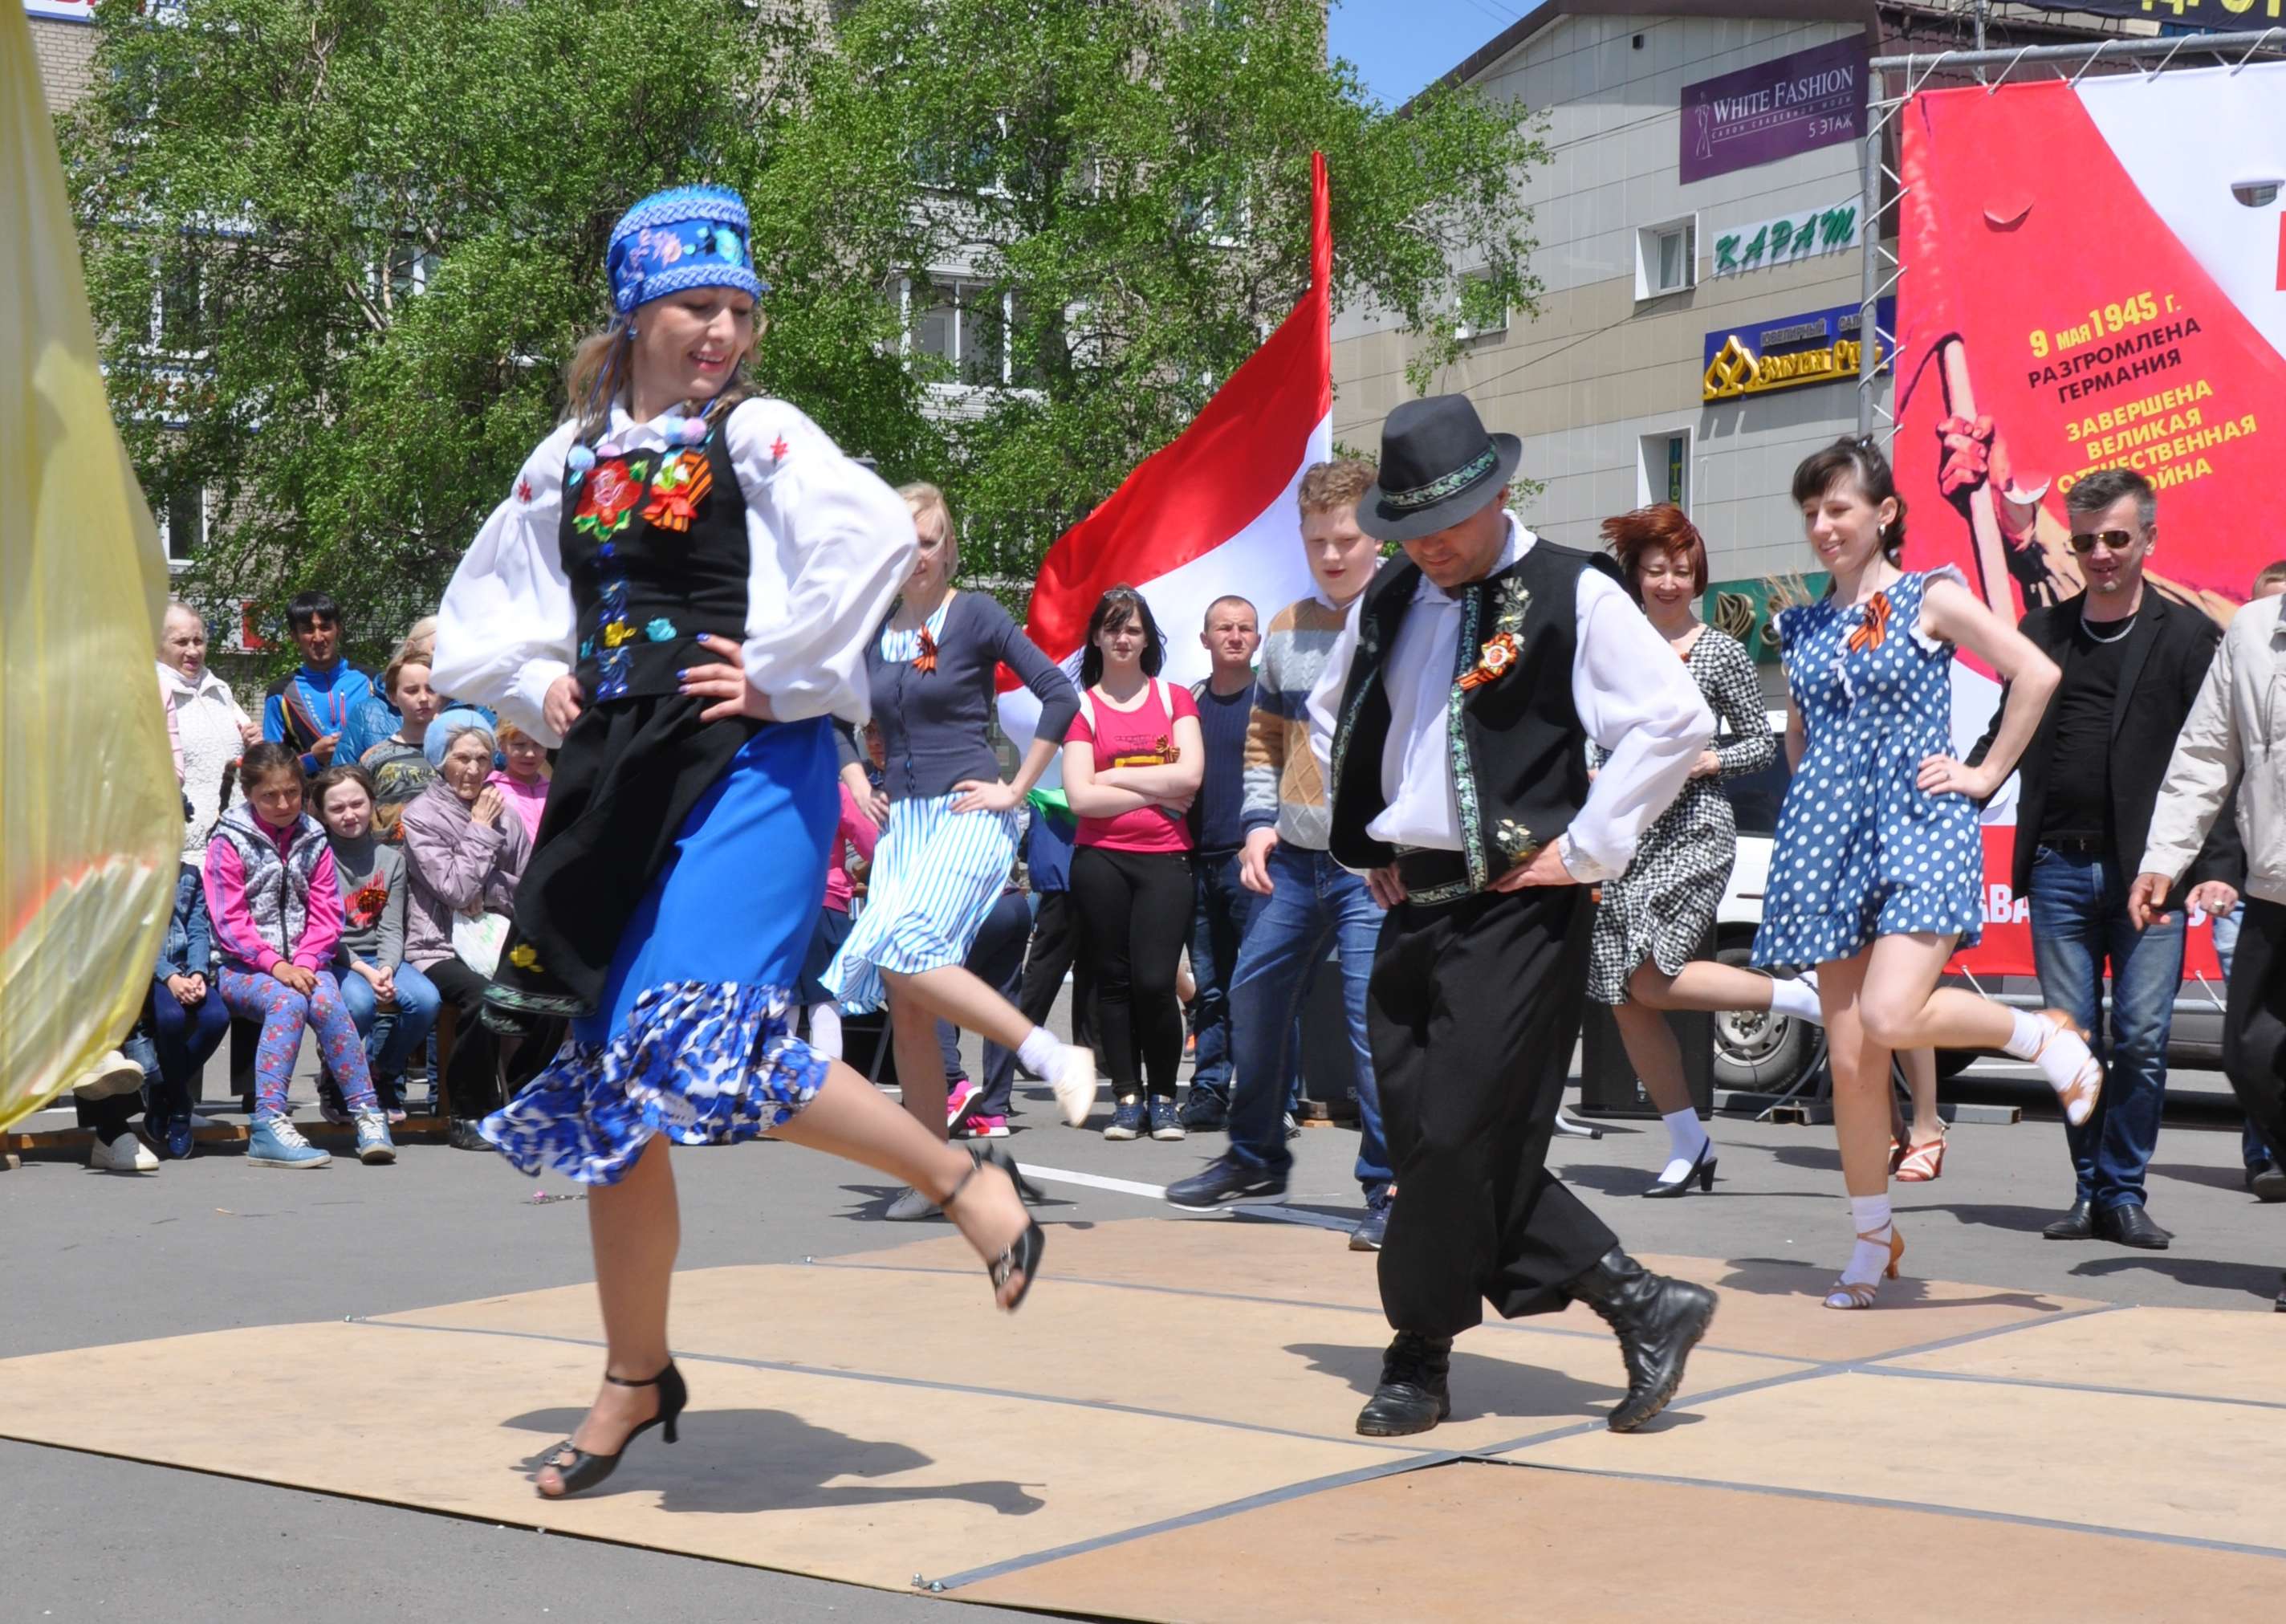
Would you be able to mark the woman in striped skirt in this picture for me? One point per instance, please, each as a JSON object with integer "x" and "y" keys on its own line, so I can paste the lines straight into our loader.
{"x": 945, "y": 855}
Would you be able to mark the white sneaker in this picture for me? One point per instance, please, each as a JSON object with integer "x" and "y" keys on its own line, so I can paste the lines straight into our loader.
{"x": 112, "y": 1074}
{"x": 124, "y": 1155}
{"x": 1074, "y": 1084}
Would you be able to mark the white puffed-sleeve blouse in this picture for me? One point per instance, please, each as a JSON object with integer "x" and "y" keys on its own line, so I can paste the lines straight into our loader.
{"x": 831, "y": 546}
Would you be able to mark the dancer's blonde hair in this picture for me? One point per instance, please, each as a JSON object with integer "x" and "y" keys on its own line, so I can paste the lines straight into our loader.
{"x": 924, "y": 499}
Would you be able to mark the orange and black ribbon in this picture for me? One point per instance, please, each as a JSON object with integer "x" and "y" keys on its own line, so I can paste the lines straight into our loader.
{"x": 1493, "y": 661}
{"x": 1875, "y": 631}
{"x": 925, "y": 662}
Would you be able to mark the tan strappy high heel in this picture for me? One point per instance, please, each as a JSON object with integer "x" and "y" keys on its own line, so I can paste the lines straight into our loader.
{"x": 1861, "y": 1293}
{"x": 2078, "y": 1093}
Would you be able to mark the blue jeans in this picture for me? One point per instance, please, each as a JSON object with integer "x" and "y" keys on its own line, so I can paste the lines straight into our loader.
{"x": 390, "y": 1034}
{"x": 173, "y": 1045}
{"x": 2079, "y": 921}
{"x": 1224, "y": 906}
{"x": 1313, "y": 903}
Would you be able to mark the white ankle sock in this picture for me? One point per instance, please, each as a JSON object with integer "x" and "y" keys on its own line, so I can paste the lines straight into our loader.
{"x": 825, "y": 1029}
{"x": 1686, "y": 1139}
{"x": 2030, "y": 1032}
{"x": 1868, "y": 1260}
{"x": 1038, "y": 1052}
{"x": 1793, "y": 997}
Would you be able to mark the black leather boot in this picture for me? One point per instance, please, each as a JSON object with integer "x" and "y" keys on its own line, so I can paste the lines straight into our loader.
{"x": 1413, "y": 1395}
{"x": 1659, "y": 1321}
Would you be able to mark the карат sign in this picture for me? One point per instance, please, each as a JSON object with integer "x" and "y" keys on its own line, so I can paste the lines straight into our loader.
{"x": 1775, "y": 109}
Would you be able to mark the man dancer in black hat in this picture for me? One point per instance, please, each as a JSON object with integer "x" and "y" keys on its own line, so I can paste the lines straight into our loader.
{"x": 1459, "y": 701}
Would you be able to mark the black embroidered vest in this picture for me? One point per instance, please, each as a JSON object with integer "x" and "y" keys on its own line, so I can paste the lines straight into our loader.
{"x": 655, "y": 544}
{"x": 1518, "y": 748}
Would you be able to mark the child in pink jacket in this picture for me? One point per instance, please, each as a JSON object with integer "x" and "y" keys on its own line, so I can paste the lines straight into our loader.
{"x": 275, "y": 904}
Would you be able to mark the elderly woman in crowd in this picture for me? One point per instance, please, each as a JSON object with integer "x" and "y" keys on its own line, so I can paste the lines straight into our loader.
{"x": 212, "y": 729}
{"x": 465, "y": 851}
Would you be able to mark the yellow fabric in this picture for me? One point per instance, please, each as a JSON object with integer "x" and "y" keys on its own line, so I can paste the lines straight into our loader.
{"x": 91, "y": 821}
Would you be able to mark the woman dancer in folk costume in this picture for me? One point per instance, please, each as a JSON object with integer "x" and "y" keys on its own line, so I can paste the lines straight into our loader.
{"x": 944, "y": 858}
{"x": 679, "y": 588}
{"x": 1876, "y": 865}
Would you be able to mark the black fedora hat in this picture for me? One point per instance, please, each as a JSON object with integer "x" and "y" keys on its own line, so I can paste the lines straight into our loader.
{"x": 1438, "y": 467}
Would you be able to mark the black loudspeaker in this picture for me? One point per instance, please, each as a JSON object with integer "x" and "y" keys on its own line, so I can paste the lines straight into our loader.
{"x": 1608, "y": 1085}
{"x": 1328, "y": 1063}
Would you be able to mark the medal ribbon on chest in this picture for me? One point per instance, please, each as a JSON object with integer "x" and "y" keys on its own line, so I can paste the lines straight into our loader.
{"x": 1874, "y": 631}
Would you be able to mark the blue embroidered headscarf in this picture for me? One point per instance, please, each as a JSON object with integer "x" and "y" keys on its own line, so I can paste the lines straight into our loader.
{"x": 686, "y": 237}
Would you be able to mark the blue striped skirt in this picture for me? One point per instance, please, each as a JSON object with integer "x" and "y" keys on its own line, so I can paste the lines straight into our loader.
{"x": 937, "y": 874}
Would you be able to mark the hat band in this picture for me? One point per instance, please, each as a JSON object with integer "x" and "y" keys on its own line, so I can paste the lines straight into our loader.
{"x": 1437, "y": 489}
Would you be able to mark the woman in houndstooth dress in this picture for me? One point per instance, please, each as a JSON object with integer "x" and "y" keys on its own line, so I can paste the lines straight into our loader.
{"x": 1653, "y": 918}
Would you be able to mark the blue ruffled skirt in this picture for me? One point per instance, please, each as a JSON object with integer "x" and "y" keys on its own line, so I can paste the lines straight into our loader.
{"x": 695, "y": 1038}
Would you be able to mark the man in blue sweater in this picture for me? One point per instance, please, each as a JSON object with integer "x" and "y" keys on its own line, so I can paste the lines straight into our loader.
{"x": 1225, "y": 702}
{"x": 309, "y": 709}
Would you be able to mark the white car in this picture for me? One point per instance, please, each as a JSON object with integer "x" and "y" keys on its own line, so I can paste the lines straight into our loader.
{"x": 1755, "y": 1049}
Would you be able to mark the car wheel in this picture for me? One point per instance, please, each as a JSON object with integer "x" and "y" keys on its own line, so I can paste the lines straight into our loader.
{"x": 1756, "y": 1050}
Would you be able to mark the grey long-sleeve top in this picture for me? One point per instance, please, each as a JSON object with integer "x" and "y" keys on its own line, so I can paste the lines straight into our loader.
{"x": 933, "y": 723}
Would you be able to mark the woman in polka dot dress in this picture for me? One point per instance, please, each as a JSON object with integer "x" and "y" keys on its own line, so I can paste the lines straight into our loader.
{"x": 1878, "y": 863}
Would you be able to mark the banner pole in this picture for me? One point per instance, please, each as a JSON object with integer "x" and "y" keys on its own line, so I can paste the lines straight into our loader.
{"x": 1869, "y": 301}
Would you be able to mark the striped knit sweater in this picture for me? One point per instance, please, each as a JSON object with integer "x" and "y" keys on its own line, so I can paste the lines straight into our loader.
{"x": 1285, "y": 786}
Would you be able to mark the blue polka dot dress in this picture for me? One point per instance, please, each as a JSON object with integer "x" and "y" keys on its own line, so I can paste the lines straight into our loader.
{"x": 1862, "y": 851}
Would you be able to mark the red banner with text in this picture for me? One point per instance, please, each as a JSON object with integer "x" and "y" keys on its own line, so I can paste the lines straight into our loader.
{"x": 2094, "y": 276}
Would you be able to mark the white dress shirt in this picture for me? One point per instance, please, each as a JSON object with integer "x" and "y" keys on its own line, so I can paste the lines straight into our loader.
{"x": 831, "y": 546}
{"x": 1634, "y": 697}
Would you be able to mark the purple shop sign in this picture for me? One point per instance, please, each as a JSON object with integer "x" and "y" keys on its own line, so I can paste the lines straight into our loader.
{"x": 1774, "y": 109}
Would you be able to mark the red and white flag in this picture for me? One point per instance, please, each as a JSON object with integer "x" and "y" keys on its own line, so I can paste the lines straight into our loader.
{"x": 1212, "y": 512}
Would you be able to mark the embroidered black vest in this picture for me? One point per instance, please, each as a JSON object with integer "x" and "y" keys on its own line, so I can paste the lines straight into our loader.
{"x": 655, "y": 544}
{"x": 1519, "y": 750}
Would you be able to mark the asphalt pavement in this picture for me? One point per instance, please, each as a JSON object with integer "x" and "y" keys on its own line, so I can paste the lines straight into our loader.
{"x": 212, "y": 1243}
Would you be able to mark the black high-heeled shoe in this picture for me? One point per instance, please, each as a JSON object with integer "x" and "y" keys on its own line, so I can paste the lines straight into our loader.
{"x": 579, "y": 1471}
{"x": 1700, "y": 1172}
{"x": 999, "y": 1157}
{"x": 1023, "y": 1254}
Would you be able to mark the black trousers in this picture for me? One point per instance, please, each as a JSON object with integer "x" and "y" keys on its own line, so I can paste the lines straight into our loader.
{"x": 1471, "y": 1015}
{"x": 473, "y": 1074}
{"x": 997, "y": 958}
{"x": 2254, "y": 1022}
{"x": 1138, "y": 907}
{"x": 1055, "y": 953}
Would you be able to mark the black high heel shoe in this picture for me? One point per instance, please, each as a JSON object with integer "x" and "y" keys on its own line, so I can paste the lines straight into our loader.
{"x": 1023, "y": 1254}
{"x": 1032, "y": 1194}
{"x": 1700, "y": 1172}
{"x": 579, "y": 1471}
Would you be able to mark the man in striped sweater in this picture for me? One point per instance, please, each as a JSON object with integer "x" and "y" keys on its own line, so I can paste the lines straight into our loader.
{"x": 1310, "y": 901}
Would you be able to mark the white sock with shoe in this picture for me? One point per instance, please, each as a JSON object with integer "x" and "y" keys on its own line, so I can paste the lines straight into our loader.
{"x": 1869, "y": 1259}
{"x": 1796, "y": 999}
{"x": 2063, "y": 1058}
{"x": 1686, "y": 1138}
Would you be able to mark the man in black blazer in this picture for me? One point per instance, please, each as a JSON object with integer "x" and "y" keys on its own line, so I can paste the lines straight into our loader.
{"x": 2132, "y": 662}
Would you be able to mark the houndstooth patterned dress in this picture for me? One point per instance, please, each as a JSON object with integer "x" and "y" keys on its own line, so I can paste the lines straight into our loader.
{"x": 1661, "y": 907}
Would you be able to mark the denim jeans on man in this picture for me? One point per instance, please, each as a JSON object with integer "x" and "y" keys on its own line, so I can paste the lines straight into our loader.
{"x": 390, "y": 1034}
{"x": 1313, "y": 903}
{"x": 1224, "y": 907}
{"x": 2079, "y": 921}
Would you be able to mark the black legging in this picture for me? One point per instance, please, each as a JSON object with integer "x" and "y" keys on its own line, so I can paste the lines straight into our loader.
{"x": 473, "y": 1074}
{"x": 1137, "y": 906}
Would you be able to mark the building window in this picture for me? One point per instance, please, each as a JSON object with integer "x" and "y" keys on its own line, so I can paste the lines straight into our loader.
{"x": 1493, "y": 327}
{"x": 966, "y": 324}
{"x": 182, "y": 518}
{"x": 1666, "y": 257}
{"x": 1664, "y": 474}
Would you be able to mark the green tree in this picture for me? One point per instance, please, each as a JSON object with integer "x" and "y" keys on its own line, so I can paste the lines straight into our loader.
{"x": 375, "y": 227}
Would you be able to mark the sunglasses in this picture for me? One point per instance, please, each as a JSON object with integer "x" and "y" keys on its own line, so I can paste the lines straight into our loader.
{"x": 2118, "y": 540}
